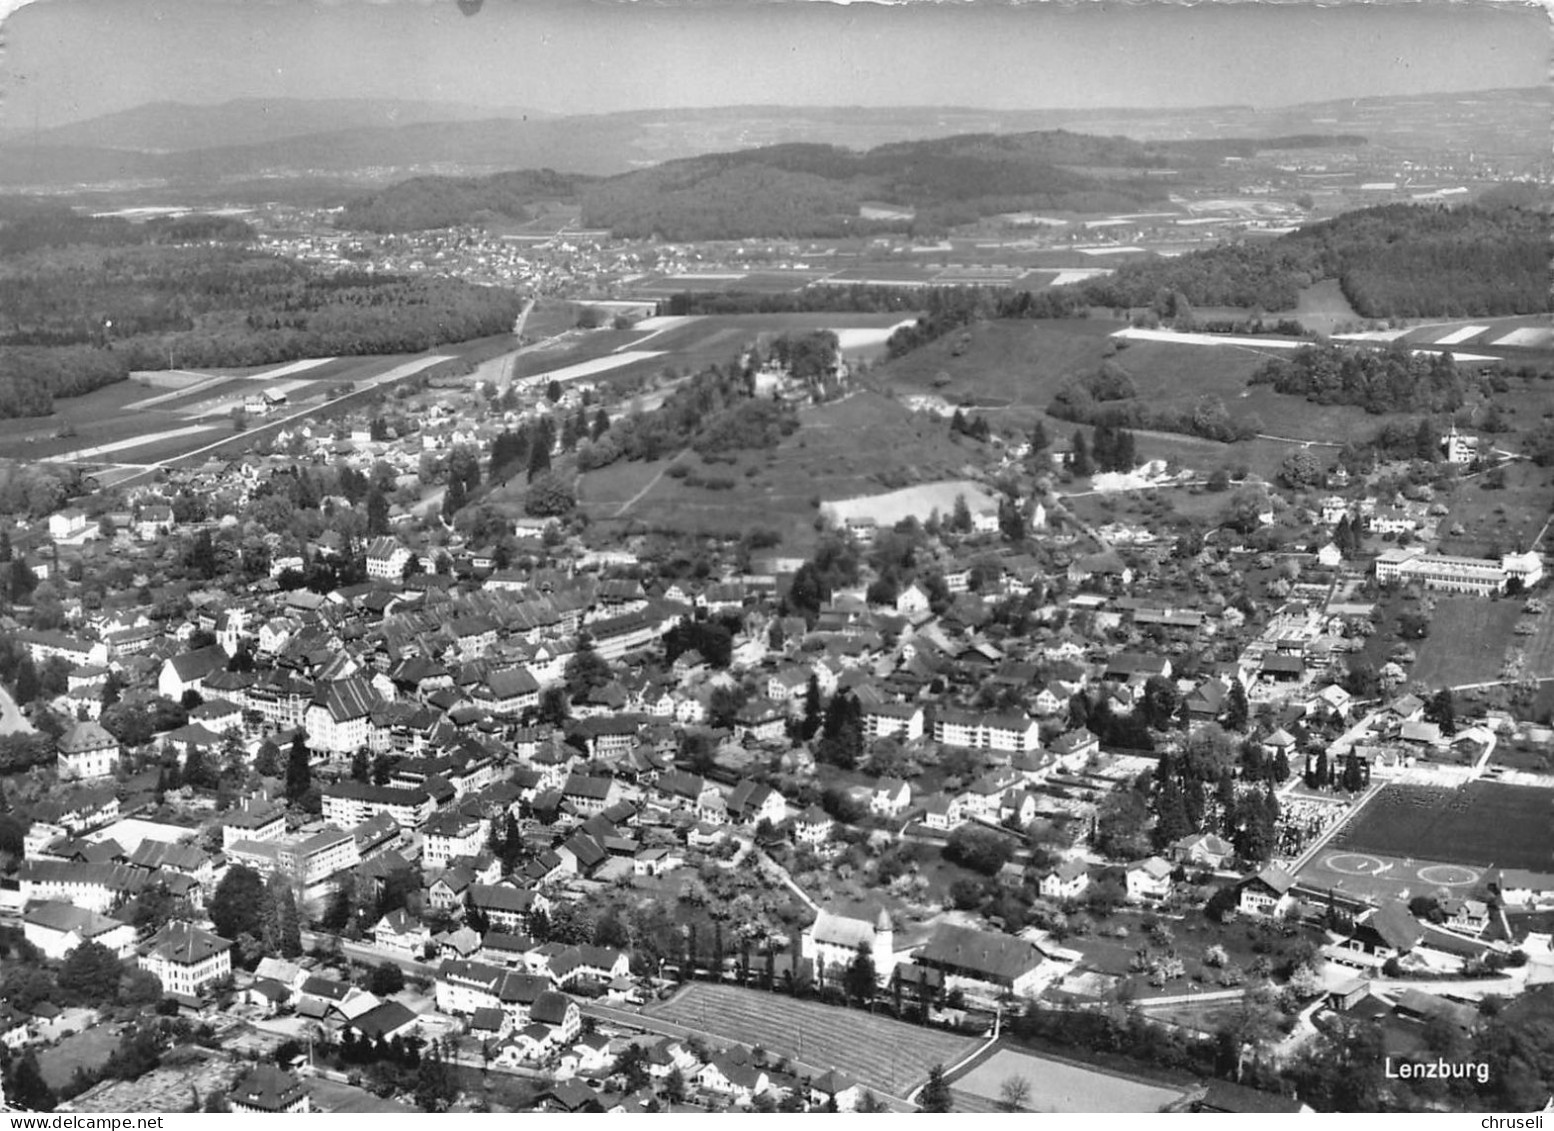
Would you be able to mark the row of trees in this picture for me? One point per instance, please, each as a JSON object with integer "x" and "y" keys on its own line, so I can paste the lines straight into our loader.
{"x": 1390, "y": 380}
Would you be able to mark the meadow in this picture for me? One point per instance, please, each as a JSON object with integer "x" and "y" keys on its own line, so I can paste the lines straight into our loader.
{"x": 881, "y": 1053}
{"x": 109, "y": 418}
{"x": 88, "y": 1049}
{"x": 861, "y": 445}
{"x": 1467, "y": 641}
{"x": 1496, "y": 520}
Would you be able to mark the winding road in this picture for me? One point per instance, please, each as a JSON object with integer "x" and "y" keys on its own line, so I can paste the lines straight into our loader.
{"x": 12, "y": 721}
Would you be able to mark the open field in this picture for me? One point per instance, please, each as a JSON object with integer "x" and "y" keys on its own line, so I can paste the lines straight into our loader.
{"x": 119, "y": 448}
{"x": 1539, "y": 648}
{"x": 860, "y": 445}
{"x": 691, "y": 339}
{"x": 1481, "y": 825}
{"x": 893, "y": 506}
{"x": 89, "y": 1049}
{"x": 1497, "y": 520}
{"x": 1514, "y": 337}
{"x": 1005, "y": 362}
{"x": 762, "y": 282}
{"x": 1059, "y": 1087}
{"x": 1467, "y": 641}
{"x": 111, "y": 416}
{"x": 593, "y": 367}
{"x": 1322, "y": 307}
{"x": 1013, "y": 370}
{"x": 879, "y": 1052}
{"x": 690, "y": 343}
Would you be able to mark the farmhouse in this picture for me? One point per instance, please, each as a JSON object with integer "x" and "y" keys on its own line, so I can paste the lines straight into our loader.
{"x": 982, "y": 962}
{"x": 1389, "y": 931}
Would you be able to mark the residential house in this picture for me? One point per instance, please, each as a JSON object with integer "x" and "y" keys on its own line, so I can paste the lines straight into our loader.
{"x": 890, "y": 798}
{"x": 86, "y": 751}
{"x": 185, "y": 958}
{"x": 265, "y": 1089}
{"x": 1149, "y": 879}
{"x": 402, "y": 933}
{"x": 1068, "y": 880}
{"x": 1206, "y": 850}
{"x": 1269, "y": 893}
{"x": 943, "y": 814}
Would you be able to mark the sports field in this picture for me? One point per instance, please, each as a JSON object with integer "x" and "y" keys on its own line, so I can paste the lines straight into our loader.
{"x": 1057, "y": 1087}
{"x": 1372, "y": 876}
{"x": 1479, "y": 825}
{"x": 883, "y": 1054}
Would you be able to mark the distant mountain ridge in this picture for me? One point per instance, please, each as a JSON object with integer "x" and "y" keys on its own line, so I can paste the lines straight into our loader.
{"x": 367, "y": 142}
{"x": 804, "y": 189}
{"x": 172, "y": 127}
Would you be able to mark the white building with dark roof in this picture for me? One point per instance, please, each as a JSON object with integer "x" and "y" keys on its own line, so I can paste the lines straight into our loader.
{"x": 56, "y": 929}
{"x": 833, "y": 939}
{"x": 185, "y": 958}
{"x": 87, "y": 751}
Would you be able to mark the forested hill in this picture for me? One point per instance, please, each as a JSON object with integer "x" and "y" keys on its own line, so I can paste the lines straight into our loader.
{"x": 811, "y": 190}
{"x": 1395, "y": 260}
{"x": 816, "y": 190}
{"x": 446, "y": 202}
{"x": 83, "y": 301}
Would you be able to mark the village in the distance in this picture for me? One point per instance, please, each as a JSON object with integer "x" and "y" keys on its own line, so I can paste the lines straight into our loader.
{"x": 1048, "y": 622}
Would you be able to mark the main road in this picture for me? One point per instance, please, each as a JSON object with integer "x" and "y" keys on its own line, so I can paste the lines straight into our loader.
{"x": 12, "y": 721}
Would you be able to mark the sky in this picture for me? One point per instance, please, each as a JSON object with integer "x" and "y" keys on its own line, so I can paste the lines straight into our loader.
{"x": 66, "y": 60}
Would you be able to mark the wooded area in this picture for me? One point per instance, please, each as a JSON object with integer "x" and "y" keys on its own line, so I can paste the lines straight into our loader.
{"x": 1392, "y": 380}
{"x": 1393, "y": 261}
{"x": 88, "y": 301}
{"x": 812, "y": 191}
{"x": 445, "y": 202}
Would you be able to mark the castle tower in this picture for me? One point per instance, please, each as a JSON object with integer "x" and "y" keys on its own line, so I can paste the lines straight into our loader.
{"x": 884, "y": 943}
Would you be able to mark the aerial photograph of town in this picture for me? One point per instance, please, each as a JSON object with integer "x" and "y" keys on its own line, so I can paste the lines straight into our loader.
{"x": 775, "y": 556}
